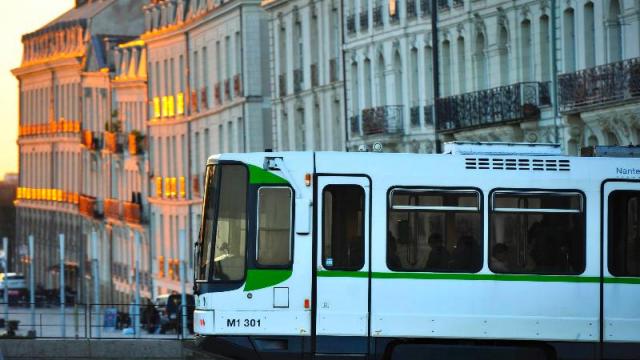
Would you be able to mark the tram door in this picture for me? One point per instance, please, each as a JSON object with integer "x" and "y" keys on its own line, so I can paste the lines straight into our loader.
{"x": 342, "y": 264}
{"x": 621, "y": 251}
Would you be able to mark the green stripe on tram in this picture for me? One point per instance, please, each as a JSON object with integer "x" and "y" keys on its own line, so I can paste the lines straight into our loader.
{"x": 482, "y": 277}
{"x": 258, "y": 175}
{"x": 262, "y": 278}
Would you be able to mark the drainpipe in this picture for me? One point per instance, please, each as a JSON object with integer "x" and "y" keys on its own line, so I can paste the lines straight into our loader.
{"x": 554, "y": 76}
{"x": 435, "y": 72}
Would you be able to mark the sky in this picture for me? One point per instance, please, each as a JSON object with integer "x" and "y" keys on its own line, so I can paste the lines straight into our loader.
{"x": 24, "y": 16}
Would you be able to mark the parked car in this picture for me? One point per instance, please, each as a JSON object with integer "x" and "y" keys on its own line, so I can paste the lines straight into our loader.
{"x": 17, "y": 285}
{"x": 170, "y": 309}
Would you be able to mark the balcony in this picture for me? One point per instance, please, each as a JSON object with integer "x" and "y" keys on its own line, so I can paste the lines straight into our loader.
{"x": 113, "y": 142}
{"x": 297, "y": 80}
{"x": 385, "y": 120}
{"x": 227, "y": 89}
{"x": 333, "y": 70}
{"x": 88, "y": 206}
{"x": 314, "y": 75}
{"x": 377, "y": 16}
{"x": 132, "y": 212}
{"x": 237, "y": 85}
{"x": 282, "y": 85}
{"x": 412, "y": 10}
{"x": 112, "y": 209}
{"x": 364, "y": 20}
{"x": 500, "y": 105}
{"x": 425, "y": 7}
{"x": 204, "y": 98}
{"x": 599, "y": 86}
{"x": 351, "y": 23}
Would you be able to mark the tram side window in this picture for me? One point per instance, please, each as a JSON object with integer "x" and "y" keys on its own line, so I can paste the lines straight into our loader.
{"x": 208, "y": 224}
{"x": 434, "y": 230}
{"x": 343, "y": 227}
{"x": 624, "y": 233}
{"x": 231, "y": 228}
{"x": 274, "y": 226}
{"x": 537, "y": 233}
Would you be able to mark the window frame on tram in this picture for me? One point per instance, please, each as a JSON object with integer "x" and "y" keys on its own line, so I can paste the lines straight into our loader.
{"x": 255, "y": 259}
{"x": 479, "y": 210}
{"x": 582, "y": 212}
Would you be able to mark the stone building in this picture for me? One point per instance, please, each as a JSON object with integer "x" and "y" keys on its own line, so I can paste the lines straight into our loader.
{"x": 496, "y": 66}
{"x": 209, "y": 93}
{"x": 8, "y": 188}
{"x": 305, "y": 46}
{"x": 64, "y": 82}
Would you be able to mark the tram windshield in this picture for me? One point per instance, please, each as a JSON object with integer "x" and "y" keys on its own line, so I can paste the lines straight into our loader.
{"x": 224, "y": 226}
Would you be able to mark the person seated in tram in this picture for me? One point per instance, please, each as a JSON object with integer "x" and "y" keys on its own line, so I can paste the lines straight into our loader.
{"x": 499, "y": 258}
{"x": 439, "y": 256}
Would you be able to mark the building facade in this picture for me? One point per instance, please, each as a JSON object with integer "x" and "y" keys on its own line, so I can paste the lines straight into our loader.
{"x": 305, "y": 47}
{"x": 64, "y": 82}
{"x": 496, "y": 61}
{"x": 209, "y": 93}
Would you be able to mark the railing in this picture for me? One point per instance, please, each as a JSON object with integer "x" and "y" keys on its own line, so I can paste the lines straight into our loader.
{"x": 95, "y": 321}
{"x": 412, "y": 9}
{"x": 314, "y": 75}
{"x": 88, "y": 206}
{"x": 382, "y": 120}
{"x": 204, "y": 98}
{"x": 458, "y": 3}
{"x": 112, "y": 209}
{"x": 351, "y": 23}
{"x": 297, "y": 80}
{"x": 425, "y": 7}
{"x": 113, "y": 142}
{"x": 227, "y": 89}
{"x": 237, "y": 85}
{"x": 600, "y": 85}
{"x": 377, "y": 16}
{"x": 132, "y": 212}
{"x": 443, "y": 5}
{"x": 333, "y": 70}
{"x": 216, "y": 93}
{"x": 61, "y": 127}
{"x": 364, "y": 20}
{"x": 516, "y": 102}
{"x": 282, "y": 84}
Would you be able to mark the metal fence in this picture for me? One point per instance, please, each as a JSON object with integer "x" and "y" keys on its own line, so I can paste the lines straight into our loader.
{"x": 95, "y": 321}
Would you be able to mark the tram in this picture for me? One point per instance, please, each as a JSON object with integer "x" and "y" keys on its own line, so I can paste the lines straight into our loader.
{"x": 487, "y": 251}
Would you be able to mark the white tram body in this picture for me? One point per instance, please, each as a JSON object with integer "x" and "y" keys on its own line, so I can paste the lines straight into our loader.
{"x": 504, "y": 251}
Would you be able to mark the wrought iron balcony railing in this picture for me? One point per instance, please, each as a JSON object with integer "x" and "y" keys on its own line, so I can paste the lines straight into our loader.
{"x": 297, "y": 80}
{"x": 132, "y": 212}
{"x": 112, "y": 209}
{"x": 364, "y": 20}
{"x": 382, "y": 120}
{"x": 516, "y": 102}
{"x": 237, "y": 85}
{"x": 89, "y": 206}
{"x": 599, "y": 86}
{"x": 412, "y": 9}
{"x": 351, "y": 23}
{"x": 377, "y": 16}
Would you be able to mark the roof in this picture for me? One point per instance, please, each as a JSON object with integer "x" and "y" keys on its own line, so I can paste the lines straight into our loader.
{"x": 77, "y": 15}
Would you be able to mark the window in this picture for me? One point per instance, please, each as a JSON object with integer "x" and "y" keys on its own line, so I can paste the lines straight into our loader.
{"x": 624, "y": 233}
{"x": 343, "y": 227}
{"x": 537, "y": 232}
{"x": 274, "y": 226}
{"x": 434, "y": 230}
